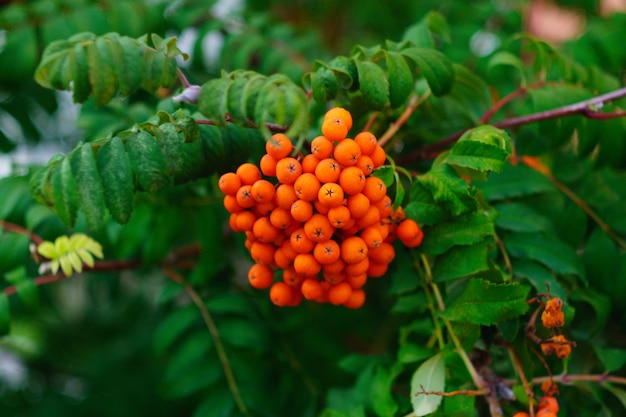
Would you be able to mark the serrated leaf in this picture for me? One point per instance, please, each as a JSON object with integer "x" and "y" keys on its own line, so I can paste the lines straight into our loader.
{"x": 5, "y": 315}
{"x": 422, "y": 207}
{"x": 117, "y": 180}
{"x": 400, "y": 78}
{"x": 480, "y": 150}
{"x": 171, "y": 144}
{"x": 464, "y": 230}
{"x": 429, "y": 376}
{"x": 540, "y": 278}
{"x": 400, "y": 192}
{"x": 373, "y": 84}
{"x": 88, "y": 185}
{"x": 381, "y": 398}
{"x": 79, "y": 69}
{"x": 147, "y": 161}
{"x": 515, "y": 181}
{"x": 448, "y": 189}
{"x": 613, "y": 359}
{"x": 385, "y": 173}
{"x": 519, "y": 217}
{"x": 421, "y": 33}
{"x": 435, "y": 67}
{"x": 64, "y": 192}
{"x": 547, "y": 250}
{"x": 505, "y": 58}
{"x": 102, "y": 75}
{"x": 461, "y": 261}
{"x": 213, "y": 99}
{"x": 485, "y": 303}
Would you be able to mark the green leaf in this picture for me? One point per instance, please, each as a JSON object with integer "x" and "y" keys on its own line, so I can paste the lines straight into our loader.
{"x": 172, "y": 328}
{"x": 435, "y": 67}
{"x": 385, "y": 173}
{"x": 421, "y": 33}
{"x": 612, "y": 359}
{"x": 515, "y": 181}
{"x": 540, "y": 278}
{"x": 147, "y": 161}
{"x": 480, "y": 150}
{"x": 464, "y": 230}
{"x": 519, "y": 217}
{"x": 117, "y": 179}
{"x": 171, "y": 144}
{"x": 485, "y": 303}
{"x": 461, "y": 261}
{"x": 102, "y": 75}
{"x": 430, "y": 376}
{"x": 373, "y": 84}
{"x": 593, "y": 308}
{"x": 381, "y": 398}
{"x": 448, "y": 189}
{"x": 213, "y": 99}
{"x": 547, "y": 250}
{"x": 64, "y": 192}
{"x": 422, "y": 206}
{"x": 505, "y": 58}
{"x": 217, "y": 403}
{"x": 411, "y": 353}
{"x": 5, "y": 314}
{"x": 400, "y": 78}
{"x": 89, "y": 185}
{"x": 618, "y": 392}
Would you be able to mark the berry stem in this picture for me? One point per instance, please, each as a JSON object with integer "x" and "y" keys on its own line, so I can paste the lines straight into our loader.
{"x": 566, "y": 379}
{"x": 414, "y": 103}
{"x": 219, "y": 346}
{"x": 517, "y": 364}
{"x": 12, "y": 227}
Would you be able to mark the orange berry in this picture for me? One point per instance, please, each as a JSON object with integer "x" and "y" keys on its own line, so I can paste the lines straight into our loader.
{"x": 264, "y": 209}
{"x": 330, "y": 195}
{"x": 320, "y": 208}
{"x": 231, "y": 205}
{"x": 279, "y": 146}
{"x": 306, "y": 187}
{"x": 358, "y": 204}
{"x": 521, "y": 414}
{"x": 321, "y": 147}
{"x": 358, "y": 268}
{"x": 229, "y": 183}
{"x": 379, "y": 156}
{"x": 260, "y": 276}
{"x": 356, "y": 299}
{"x": 347, "y": 152}
{"x": 549, "y": 388}
{"x": 548, "y": 403}
{"x": 285, "y": 196}
{"x": 409, "y": 232}
{"x": 318, "y": 228}
{"x": 335, "y": 267}
{"x": 334, "y": 277}
{"x": 367, "y": 142}
{"x": 370, "y": 218}
{"x": 300, "y": 242}
{"x": 311, "y": 289}
{"x": 263, "y": 191}
{"x": 545, "y": 413}
{"x": 372, "y": 237}
{"x": 377, "y": 270}
{"x": 339, "y": 216}
{"x": 375, "y": 189}
{"x": 263, "y": 253}
{"x": 232, "y": 222}
{"x": 339, "y": 293}
{"x": 339, "y": 113}
{"x": 352, "y": 180}
{"x": 336, "y": 124}
{"x": 268, "y": 165}
{"x": 281, "y": 294}
{"x": 309, "y": 163}
{"x": 328, "y": 170}
{"x": 244, "y": 196}
{"x": 245, "y": 220}
{"x": 288, "y": 170}
{"x": 301, "y": 210}
{"x": 248, "y": 173}
{"x": 383, "y": 254}
{"x": 356, "y": 281}
{"x": 281, "y": 218}
{"x": 296, "y": 297}
{"x": 385, "y": 207}
{"x": 282, "y": 259}
{"x": 264, "y": 231}
{"x": 353, "y": 250}
{"x": 552, "y": 316}
{"x": 306, "y": 264}
{"x": 326, "y": 252}
{"x": 383, "y": 229}
{"x": 292, "y": 278}
{"x": 366, "y": 164}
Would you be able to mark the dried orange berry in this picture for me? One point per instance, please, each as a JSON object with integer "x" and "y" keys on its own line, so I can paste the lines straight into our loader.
{"x": 301, "y": 210}
{"x": 306, "y": 264}
{"x": 339, "y": 293}
{"x": 326, "y": 252}
{"x": 339, "y": 216}
{"x": 322, "y": 147}
{"x": 549, "y": 388}
{"x": 285, "y": 196}
{"x": 278, "y": 146}
{"x": 358, "y": 204}
{"x": 562, "y": 347}
{"x": 260, "y": 276}
{"x": 352, "y": 180}
{"x": 347, "y": 152}
{"x": 311, "y": 289}
{"x": 330, "y": 195}
{"x": 281, "y": 294}
{"x": 306, "y": 187}
{"x": 318, "y": 228}
{"x": 328, "y": 170}
{"x": 375, "y": 189}
{"x": 552, "y": 315}
{"x": 356, "y": 299}
{"x": 248, "y": 173}
{"x": 229, "y": 183}
{"x": 268, "y": 165}
{"x": 353, "y": 250}
{"x": 263, "y": 191}
{"x": 288, "y": 170}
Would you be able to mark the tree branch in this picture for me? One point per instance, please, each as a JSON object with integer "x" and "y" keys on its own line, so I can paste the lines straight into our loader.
{"x": 12, "y": 227}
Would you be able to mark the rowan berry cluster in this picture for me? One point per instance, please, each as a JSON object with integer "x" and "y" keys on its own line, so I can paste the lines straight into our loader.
{"x": 547, "y": 406}
{"x": 552, "y": 317}
{"x": 320, "y": 221}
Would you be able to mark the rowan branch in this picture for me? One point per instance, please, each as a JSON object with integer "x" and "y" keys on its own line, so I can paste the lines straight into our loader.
{"x": 15, "y": 228}
{"x": 465, "y": 392}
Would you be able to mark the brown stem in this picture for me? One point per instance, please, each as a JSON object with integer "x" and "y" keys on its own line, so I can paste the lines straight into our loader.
{"x": 183, "y": 79}
{"x": 12, "y": 227}
{"x": 520, "y": 370}
{"x": 465, "y": 392}
{"x": 509, "y": 98}
{"x": 414, "y": 103}
{"x": 219, "y": 346}
{"x": 565, "y": 379}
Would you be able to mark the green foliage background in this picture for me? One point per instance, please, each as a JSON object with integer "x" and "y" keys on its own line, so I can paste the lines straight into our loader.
{"x": 140, "y": 177}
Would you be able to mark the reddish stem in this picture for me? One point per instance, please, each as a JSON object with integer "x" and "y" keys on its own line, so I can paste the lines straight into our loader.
{"x": 12, "y": 227}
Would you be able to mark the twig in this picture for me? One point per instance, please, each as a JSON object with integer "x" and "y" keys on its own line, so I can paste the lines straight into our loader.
{"x": 414, "y": 103}
{"x": 507, "y": 99}
{"x": 12, "y": 227}
{"x": 370, "y": 121}
{"x": 566, "y": 379}
{"x": 219, "y": 346}
{"x": 465, "y": 392}
{"x": 520, "y": 370}
{"x": 505, "y": 254}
